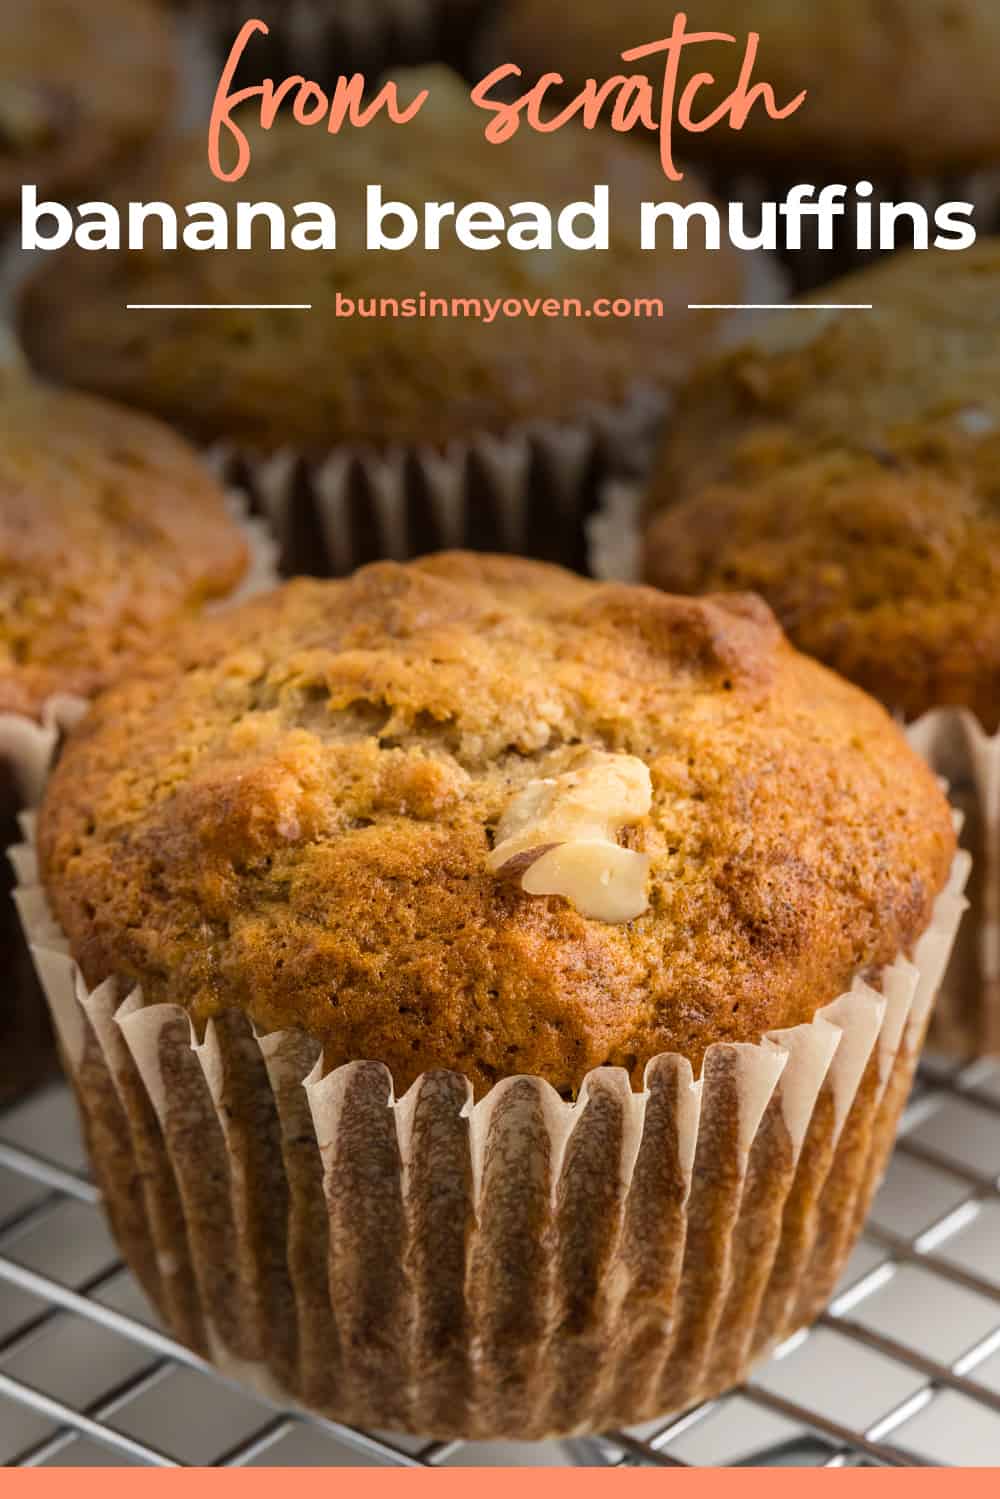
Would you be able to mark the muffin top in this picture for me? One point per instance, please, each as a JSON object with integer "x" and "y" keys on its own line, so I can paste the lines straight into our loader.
{"x": 338, "y": 808}
{"x": 918, "y": 374}
{"x": 81, "y": 83}
{"x": 886, "y": 569}
{"x": 906, "y": 85}
{"x": 316, "y": 379}
{"x": 110, "y": 530}
{"x": 847, "y": 469}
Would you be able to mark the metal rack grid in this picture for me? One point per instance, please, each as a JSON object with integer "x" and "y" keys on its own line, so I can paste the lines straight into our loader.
{"x": 903, "y": 1369}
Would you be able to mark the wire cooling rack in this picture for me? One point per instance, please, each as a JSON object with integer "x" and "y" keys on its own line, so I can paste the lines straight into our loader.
{"x": 903, "y": 1369}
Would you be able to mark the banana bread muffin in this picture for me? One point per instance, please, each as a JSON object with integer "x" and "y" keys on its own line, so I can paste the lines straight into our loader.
{"x": 306, "y": 833}
{"x": 885, "y": 568}
{"x": 907, "y": 87}
{"x": 400, "y": 390}
{"x": 917, "y": 376}
{"x": 83, "y": 85}
{"x": 323, "y": 39}
{"x": 847, "y": 470}
{"x": 472, "y": 828}
{"x": 111, "y": 532}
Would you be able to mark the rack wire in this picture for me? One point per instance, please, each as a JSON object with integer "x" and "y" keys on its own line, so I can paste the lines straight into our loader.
{"x": 903, "y": 1369}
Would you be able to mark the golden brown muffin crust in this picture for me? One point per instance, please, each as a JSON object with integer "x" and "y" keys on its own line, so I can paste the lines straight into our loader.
{"x": 293, "y": 817}
{"x": 111, "y": 530}
{"x": 921, "y": 369}
{"x": 892, "y": 84}
{"x": 846, "y": 467}
{"x": 266, "y": 380}
{"x": 82, "y": 83}
{"x": 886, "y": 570}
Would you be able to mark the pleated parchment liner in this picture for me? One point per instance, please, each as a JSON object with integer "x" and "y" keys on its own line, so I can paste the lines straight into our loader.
{"x": 967, "y": 1018}
{"x": 967, "y": 1015}
{"x": 28, "y": 749}
{"x": 520, "y": 1266}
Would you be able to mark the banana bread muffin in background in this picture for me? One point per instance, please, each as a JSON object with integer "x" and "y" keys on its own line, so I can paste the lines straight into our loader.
{"x": 398, "y": 428}
{"x": 850, "y": 473}
{"x": 111, "y": 533}
{"x": 898, "y": 95}
{"x": 473, "y": 827}
{"x": 84, "y": 84}
{"x": 917, "y": 376}
{"x": 324, "y": 39}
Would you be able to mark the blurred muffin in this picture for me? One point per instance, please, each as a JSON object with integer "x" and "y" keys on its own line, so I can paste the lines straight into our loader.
{"x": 899, "y": 95}
{"x": 908, "y": 89}
{"x": 917, "y": 376}
{"x": 83, "y": 85}
{"x": 323, "y": 39}
{"x": 849, "y": 474}
{"x": 408, "y": 428}
{"x": 444, "y": 826}
{"x": 111, "y": 532}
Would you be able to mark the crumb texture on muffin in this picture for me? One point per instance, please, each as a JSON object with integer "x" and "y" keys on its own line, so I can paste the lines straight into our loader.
{"x": 846, "y": 468}
{"x": 82, "y": 83}
{"x": 111, "y": 530}
{"x": 268, "y": 380}
{"x": 294, "y": 815}
{"x": 917, "y": 376}
{"x": 889, "y": 575}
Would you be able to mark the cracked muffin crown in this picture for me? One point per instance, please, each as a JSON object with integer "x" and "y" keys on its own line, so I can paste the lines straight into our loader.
{"x": 559, "y": 835}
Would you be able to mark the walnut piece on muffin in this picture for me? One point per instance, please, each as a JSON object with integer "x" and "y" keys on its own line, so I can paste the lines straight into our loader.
{"x": 295, "y": 814}
{"x": 111, "y": 531}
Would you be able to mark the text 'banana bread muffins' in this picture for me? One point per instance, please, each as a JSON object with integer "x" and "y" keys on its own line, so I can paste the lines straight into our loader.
{"x": 847, "y": 467}
{"x": 84, "y": 85}
{"x": 403, "y": 913}
{"x": 899, "y": 96}
{"x": 370, "y": 434}
{"x": 112, "y": 532}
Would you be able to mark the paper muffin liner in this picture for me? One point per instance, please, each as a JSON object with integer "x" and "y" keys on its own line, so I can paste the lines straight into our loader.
{"x": 28, "y": 750}
{"x": 326, "y": 38}
{"x": 528, "y": 491}
{"x": 519, "y": 1266}
{"x": 967, "y": 1016}
{"x": 810, "y": 267}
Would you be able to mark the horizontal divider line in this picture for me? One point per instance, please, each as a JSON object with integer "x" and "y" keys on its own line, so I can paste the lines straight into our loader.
{"x": 218, "y": 307}
{"x": 781, "y": 307}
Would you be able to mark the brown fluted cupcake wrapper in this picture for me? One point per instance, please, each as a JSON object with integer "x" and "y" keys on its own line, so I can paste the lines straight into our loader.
{"x": 528, "y": 491}
{"x": 519, "y": 1266}
{"x": 967, "y": 1018}
{"x": 28, "y": 749}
